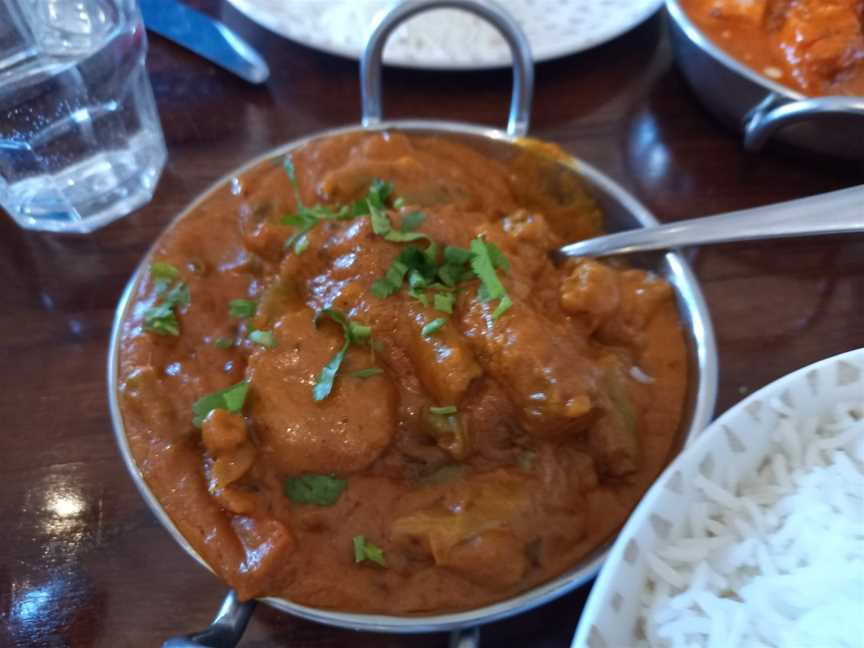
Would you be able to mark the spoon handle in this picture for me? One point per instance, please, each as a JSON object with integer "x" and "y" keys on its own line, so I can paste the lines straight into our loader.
{"x": 224, "y": 631}
{"x": 837, "y": 212}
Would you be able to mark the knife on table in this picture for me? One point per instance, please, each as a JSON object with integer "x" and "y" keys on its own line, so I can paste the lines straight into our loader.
{"x": 204, "y": 36}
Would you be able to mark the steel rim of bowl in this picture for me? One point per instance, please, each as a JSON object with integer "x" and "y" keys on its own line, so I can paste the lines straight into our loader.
{"x": 704, "y": 364}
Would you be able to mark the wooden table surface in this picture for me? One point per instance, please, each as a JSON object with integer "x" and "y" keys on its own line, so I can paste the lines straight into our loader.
{"x": 82, "y": 560}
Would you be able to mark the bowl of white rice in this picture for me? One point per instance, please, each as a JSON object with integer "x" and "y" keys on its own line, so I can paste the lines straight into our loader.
{"x": 754, "y": 535}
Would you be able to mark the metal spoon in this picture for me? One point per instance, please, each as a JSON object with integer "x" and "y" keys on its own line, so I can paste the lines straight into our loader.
{"x": 837, "y": 212}
{"x": 224, "y": 631}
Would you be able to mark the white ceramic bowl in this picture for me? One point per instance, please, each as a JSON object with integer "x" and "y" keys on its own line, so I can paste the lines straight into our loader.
{"x": 740, "y": 438}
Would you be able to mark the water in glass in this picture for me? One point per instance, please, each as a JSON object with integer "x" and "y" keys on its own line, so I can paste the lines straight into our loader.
{"x": 80, "y": 140}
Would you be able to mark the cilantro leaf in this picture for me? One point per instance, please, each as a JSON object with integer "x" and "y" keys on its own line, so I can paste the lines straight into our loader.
{"x": 430, "y": 255}
{"x": 483, "y": 265}
{"x": 163, "y": 274}
{"x": 178, "y": 295}
{"x": 354, "y": 333}
{"x": 456, "y": 255}
{"x": 382, "y": 288}
{"x": 412, "y": 221}
{"x": 301, "y": 243}
{"x": 405, "y": 237}
{"x": 368, "y": 372}
{"x": 242, "y": 308}
{"x": 378, "y": 193}
{"x": 446, "y": 410}
{"x": 263, "y": 338}
{"x": 321, "y": 490}
{"x": 451, "y": 274}
{"x": 392, "y": 279}
{"x": 358, "y": 333}
{"x": 433, "y": 327}
{"x": 292, "y": 177}
{"x": 419, "y": 293}
{"x": 380, "y": 221}
{"x": 231, "y": 399}
{"x": 223, "y": 342}
{"x": 302, "y": 219}
{"x": 499, "y": 261}
{"x": 364, "y": 550}
{"x": 306, "y": 218}
{"x": 161, "y": 318}
{"x": 444, "y": 302}
{"x": 503, "y": 305}
{"x": 324, "y": 382}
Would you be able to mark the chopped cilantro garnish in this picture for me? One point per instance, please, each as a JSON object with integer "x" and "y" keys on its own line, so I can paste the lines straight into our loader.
{"x": 451, "y": 274}
{"x": 444, "y": 302}
{"x": 263, "y": 338}
{"x": 223, "y": 342}
{"x": 368, "y": 372}
{"x": 241, "y": 308}
{"x": 433, "y": 327}
{"x": 414, "y": 263}
{"x": 502, "y": 307}
{"x": 163, "y": 274}
{"x": 382, "y": 226}
{"x": 430, "y": 255}
{"x": 231, "y": 399}
{"x": 446, "y": 410}
{"x": 301, "y": 244}
{"x": 382, "y": 288}
{"x": 354, "y": 334}
{"x": 499, "y": 261}
{"x": 412, "y": 221}
{"x": 359, "y": 332}
{"x": 324, "y": 383}
{"x": 483, "y": 262}
{"x": 379, "y": 219}
{"x": 321, "y": 490}
{"x": 305, "y": 217}
{"x": 379, "y": 191}
{"x": 392, "y": 279}
{"x": 364, "y": 550}
{"x": 456, "y": 255}
{"x": 397, "y": 236}
{"x": 161, "y": 318}
{"x": 292, "y": 177}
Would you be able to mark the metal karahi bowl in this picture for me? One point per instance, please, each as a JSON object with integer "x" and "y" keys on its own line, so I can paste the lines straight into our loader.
{"x": 760, "y": 108}
{"x": 621, "y": 212}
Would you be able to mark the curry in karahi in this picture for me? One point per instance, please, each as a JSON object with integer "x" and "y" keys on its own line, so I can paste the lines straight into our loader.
{"x": 813, "y": 46}
{"x": 354, "y": 378}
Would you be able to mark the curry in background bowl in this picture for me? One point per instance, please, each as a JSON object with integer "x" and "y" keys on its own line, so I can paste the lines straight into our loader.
{"x": 354, "y": 379}
{"x": 812, "y": 46}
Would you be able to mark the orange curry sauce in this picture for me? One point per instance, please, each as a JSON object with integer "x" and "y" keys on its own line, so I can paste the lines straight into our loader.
{"x": 813, "y": 46}
{"x": 559, "y": 413}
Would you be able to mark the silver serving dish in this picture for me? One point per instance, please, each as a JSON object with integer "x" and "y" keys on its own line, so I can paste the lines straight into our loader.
{"x": 759, "y": 107}
{"x": 622, "y": 212}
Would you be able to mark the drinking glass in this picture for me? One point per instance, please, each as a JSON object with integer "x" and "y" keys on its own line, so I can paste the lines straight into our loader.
{"x": 80, "y": 140}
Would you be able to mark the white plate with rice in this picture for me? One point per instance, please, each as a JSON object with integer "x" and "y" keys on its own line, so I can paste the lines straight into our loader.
{"x": 753, "y": 536}
{"x": 449, "y": 38}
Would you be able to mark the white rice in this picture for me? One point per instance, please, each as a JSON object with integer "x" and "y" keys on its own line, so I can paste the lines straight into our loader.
{"x": 773, "y": 558}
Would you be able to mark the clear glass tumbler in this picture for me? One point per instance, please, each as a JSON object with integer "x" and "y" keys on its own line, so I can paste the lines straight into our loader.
{"x": 80, "y": 140}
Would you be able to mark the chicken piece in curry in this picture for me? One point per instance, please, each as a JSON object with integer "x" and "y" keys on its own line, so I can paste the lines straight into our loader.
{"x": 354, "y": 378}
{"x": 813, "y": 46}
